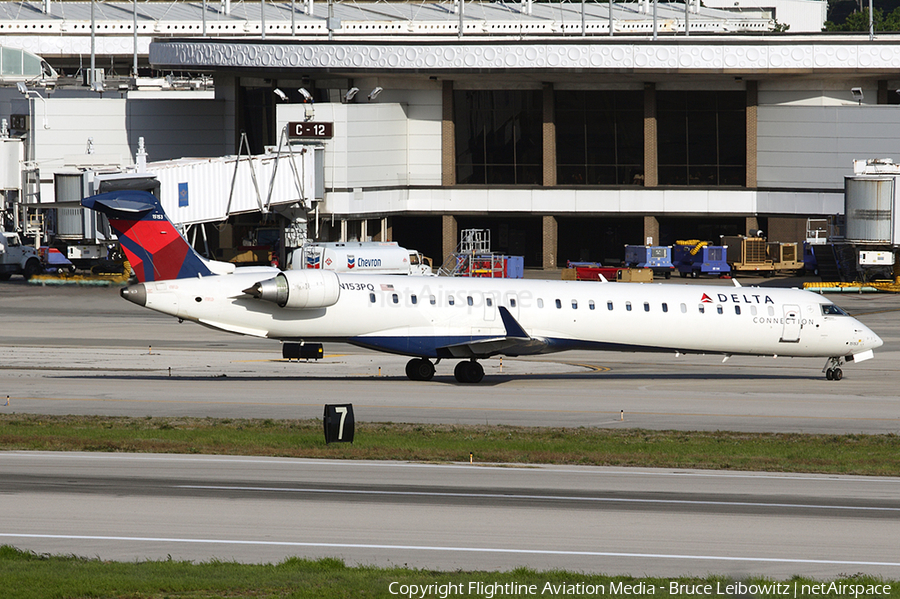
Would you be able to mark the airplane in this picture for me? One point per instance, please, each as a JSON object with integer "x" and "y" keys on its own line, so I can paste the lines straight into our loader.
{"x": 436, "y": 318}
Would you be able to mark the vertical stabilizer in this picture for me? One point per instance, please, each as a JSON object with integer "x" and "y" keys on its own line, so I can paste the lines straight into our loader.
{"x": 156, "y": 250}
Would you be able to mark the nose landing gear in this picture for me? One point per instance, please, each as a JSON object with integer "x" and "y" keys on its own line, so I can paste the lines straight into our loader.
{"x": 833, "y": 370}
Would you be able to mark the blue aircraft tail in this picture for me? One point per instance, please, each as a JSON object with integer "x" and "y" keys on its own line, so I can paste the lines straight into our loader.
{"x": 156, "y": 250}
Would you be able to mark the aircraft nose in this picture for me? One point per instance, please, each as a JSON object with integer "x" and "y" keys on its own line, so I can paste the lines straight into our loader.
{"x": 876, "y": 341}
{"x": 867, "y": 337}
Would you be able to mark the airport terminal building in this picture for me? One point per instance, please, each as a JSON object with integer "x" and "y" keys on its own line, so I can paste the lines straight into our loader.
{"x": 566, "y": 137}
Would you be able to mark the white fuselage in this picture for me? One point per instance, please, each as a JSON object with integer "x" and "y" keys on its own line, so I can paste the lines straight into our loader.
{"x": 420, "y": 315}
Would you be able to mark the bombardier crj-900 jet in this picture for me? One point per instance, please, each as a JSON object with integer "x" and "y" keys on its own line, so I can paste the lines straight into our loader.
{"x": 436, "y": 318}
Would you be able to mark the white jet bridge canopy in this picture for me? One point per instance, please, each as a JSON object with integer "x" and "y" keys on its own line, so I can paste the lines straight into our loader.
{"x": 200, "y": 190}
{"x": 20, "y": 65}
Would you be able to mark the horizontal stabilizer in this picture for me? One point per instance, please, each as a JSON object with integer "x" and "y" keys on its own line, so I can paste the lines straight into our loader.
{"x": 119, "y": 207}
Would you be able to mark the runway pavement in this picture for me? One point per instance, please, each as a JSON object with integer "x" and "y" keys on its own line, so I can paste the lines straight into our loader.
{"x": 449, "y": 517}
{"x": 87, "y": 351}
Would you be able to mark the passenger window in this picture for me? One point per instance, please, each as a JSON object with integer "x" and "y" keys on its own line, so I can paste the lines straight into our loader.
{"x": 432, "y": 300}
{"x": 700, "y": 307}
{"x": 665, "y": 307}
{"x": 646, "y": 306}
{"x": 609, "y": 306}
{"x": 771, "y": 310}
{"x": 683, "y": 309}
{"x": 752, "y": 310}
{"x": 450, "y": 300}
{"x": 490, "y": 302}
{"x": 512, "y": 302}
{"x": 628, "y": 306}
{"x": 737, "y": 310}
{"x": 395, "y": 298}
{"x": 469, "y": 301}
{"x": 719, "y": 309}
{"x": 591, "y": 305}
{"x": 574, "y": 304}
{"x": 413, "y": 299}
{"x": 558, "y": 303}
{"x": 372, "y": 298}
{"x": 540, "y": 303}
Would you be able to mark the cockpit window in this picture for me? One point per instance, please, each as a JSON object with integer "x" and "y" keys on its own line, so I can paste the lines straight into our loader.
{"x": 832, "y": 310}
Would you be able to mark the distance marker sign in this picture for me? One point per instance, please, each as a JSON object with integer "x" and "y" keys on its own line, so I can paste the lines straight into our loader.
{"x": 339, "y": 423}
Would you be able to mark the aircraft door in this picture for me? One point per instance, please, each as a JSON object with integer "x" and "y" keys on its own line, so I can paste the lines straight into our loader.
{"x": 791, "y": 331}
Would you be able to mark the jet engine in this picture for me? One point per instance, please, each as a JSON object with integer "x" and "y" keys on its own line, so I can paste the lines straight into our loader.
{"x": 299, "y": 289}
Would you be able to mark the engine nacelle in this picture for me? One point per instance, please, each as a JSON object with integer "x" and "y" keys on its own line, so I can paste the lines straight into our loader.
{"x": 299, "y": 289}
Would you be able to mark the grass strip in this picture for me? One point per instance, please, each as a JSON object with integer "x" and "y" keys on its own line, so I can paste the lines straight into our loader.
{"x": 877, "y": 455}
{"x": 26, "y": 575}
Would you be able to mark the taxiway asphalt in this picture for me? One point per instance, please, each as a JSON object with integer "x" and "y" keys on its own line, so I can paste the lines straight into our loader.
{"x": 86, "y": 351}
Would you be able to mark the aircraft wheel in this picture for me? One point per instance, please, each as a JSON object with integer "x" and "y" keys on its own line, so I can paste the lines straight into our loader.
{"x": 476, "y": 372}
{"x": 461, "y": 372}
{"x": 419, "y": 369}
{"x": 837, "y": 374}
{"x": 469, "y": 372}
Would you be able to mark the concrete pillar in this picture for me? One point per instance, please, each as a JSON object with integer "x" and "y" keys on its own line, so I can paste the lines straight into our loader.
{"x": 651, "y": 230}
{"x": 448, "y": 137}
{"x": 550, "y": 239}
{"x": 549, "y": 136}
{"x": 882, "y": 96}
{"x": 651, "y": 178}
{"x": 449, "y": 235}
{"x": 752, "y": 103}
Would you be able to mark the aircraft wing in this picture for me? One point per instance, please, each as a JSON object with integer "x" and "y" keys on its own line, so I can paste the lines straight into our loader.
{"x": 516, "y": 342}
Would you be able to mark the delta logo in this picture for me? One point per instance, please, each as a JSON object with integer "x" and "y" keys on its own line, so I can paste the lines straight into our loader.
{"x": 706, "y": 299}
{"x": 351, "y": 261}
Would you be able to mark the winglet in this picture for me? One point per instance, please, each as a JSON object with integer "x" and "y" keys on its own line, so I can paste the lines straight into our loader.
{"x": 513, "y": 328}
{"x": 155, "y": 249}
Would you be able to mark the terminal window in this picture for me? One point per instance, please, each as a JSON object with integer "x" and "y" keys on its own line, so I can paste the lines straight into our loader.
{"x": 702, "y": 138}
{"x": 599, "y": 137}
{"x": 498, "y": 137}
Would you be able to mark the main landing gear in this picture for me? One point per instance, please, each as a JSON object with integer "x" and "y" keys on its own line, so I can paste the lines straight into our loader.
{"x": 421, "y": 369}
{"x": 833, "y": 370}
{"x": 469, "y": 371}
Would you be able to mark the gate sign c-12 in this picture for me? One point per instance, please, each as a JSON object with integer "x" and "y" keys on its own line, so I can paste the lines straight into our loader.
{"x": 339, "y": 423}
{"x": 310, "y": 129}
